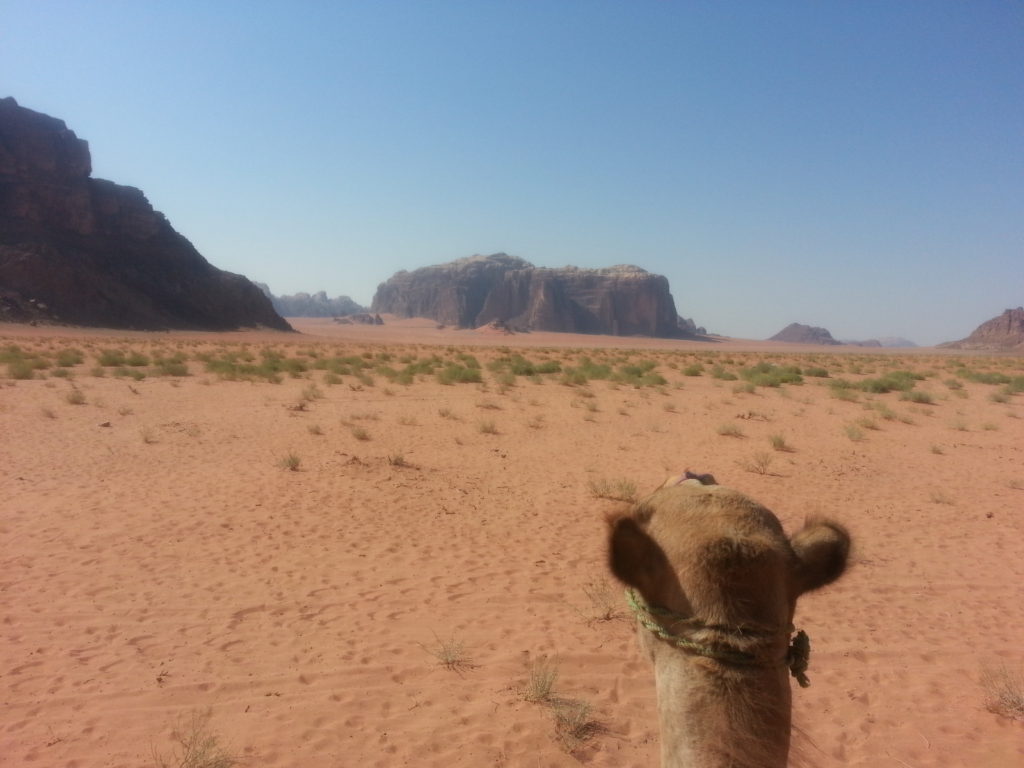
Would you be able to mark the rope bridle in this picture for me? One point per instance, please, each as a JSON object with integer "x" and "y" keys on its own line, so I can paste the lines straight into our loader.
{"x": 797, "y": 657}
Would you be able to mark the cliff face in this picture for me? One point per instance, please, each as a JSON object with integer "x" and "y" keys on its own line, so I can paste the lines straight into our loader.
{"x": 796, "y": 333}
{"x": 1005, "y": 332}
{"x": 87, "y": 251}
{"x": 471, "y": 292}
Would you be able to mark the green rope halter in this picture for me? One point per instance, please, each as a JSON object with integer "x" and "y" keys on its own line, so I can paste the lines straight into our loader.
{"x": 797, "y": 657}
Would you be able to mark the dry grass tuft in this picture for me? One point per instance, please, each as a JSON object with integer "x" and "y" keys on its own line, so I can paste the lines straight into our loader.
{"x": 1004, "y": 692}
{"x": 197, "y": 747}
{"x": 616, "y": 490}
{"x": 605, "y": 601}
{"x": 574, "y": 723}
{"x": 540, "y": 685}
{"x": 450, "y": 653}
{"x": 290, "y": 462}
{"x": 729, "y": 430}
{"x": 759, "y": 464}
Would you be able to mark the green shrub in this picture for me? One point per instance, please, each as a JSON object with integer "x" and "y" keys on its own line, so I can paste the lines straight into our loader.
{"x": 69, "y": 357}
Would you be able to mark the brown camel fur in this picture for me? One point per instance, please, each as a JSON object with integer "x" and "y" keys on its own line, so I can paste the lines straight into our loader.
{"x": 720, "y": 582}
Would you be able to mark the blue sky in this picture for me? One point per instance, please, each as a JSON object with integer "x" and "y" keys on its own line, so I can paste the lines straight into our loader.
{"x": 854, "y": 165}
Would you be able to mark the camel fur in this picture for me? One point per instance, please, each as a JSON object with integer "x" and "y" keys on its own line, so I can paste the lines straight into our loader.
{"x": 719, "y": 575}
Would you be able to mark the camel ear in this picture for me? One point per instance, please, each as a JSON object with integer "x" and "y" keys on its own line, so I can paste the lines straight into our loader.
{"x": 636, "y": 559}
{"x": 822, "y": 548}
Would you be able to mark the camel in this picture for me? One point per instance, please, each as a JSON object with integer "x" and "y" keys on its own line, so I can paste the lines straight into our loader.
{"x": 714, "y": 583}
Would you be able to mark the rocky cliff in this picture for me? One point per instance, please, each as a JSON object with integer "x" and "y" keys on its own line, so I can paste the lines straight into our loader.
{"x": 1005, "y": 332}
{"x": 85, "y": 251}
{"x": 796, "y": 333}
{"x": 468, "y": 293}
{"x": 317, "y": 304}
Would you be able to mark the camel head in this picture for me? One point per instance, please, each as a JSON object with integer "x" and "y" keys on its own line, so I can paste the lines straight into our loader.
{"x": 714, "y": 582}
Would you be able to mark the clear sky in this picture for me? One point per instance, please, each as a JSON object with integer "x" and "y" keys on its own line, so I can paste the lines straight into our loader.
{"x": 855, "y": 165}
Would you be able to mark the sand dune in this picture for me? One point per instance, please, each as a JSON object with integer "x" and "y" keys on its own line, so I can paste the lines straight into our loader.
{"x": 159, "y": 560}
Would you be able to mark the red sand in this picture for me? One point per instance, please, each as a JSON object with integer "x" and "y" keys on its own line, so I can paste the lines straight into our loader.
{"x": 166, "y": 563}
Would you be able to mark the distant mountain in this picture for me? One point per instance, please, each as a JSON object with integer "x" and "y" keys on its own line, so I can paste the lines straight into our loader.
{"x": 312, "y": 305}
{"x": 623, "y": 300}
{"x": 797, "y": 333}
{"x": 1003, "y": 333}
{"x": 883, "y": 341}
{"x": 85, "y": 251}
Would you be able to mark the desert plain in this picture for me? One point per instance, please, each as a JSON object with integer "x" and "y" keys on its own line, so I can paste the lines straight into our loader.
{"x": 384, "y": 546}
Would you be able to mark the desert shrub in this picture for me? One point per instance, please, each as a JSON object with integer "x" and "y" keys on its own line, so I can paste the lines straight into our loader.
{"x": 640, "y": 374}
{"x": 779, "y": 444}
{"x": 718, "y": 372}
{"x": 450, "y": 653}
{"x": 917, "y": 396}
{"x": 760, "y": 463}
{"x": 75, "y": 397}
{"x": 573, "y": 377}
{"x": 816, "y": 372}
{"x": 111, "y": 358}
{"x": 1004, "y": 692}
{"x": 893, "y": 381}
{"x": 291, "y": 462}
{"x": 453, "y": 373}
{"x": 540, "y": 685}
{"x": 21, "y": 369}
{"x": 729, "y": 430}
{"x": 616, "y": 490}
{"x": 766, "y": 374}
{"x": 197, "y": 747}
{"x": 574, "y": 723}
{"x": 693, "y": 370}
{"x": 136, "y": 359}
{"x": 69, "y": 357}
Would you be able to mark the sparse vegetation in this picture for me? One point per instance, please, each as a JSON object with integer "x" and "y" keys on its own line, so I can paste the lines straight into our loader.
{"x": 1004, "y": 692}
{"x": 488, "y": 427}
{"x": 574, "y": 723}
{"x": 779, "y": 444}
{"x": 291, "y": 462}
{"x": 760, "y": 463}
{"x": 730, "y": 430}
{"x": 616, "y": 490}
{"x": 450, "y": 653}
{"x": 197, "y": 746}
{"x": 854, "y": 432}
{"x": 605, "y": 601}
{"x": 540, "y": 683}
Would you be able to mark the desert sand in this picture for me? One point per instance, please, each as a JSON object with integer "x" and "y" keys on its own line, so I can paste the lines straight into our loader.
{"x": 162, "y": 556}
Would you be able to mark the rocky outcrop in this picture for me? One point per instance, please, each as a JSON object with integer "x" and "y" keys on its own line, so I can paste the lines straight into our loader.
{"x": 796, "y": 333}
{"x": 882, "y": 341}
{"x": 1003, "y": 333}
{"x": 468, "y": 293}
{"x": 360, "y": 318}
{"x": 92, "y": 252}
{"x": 312, "y": 305}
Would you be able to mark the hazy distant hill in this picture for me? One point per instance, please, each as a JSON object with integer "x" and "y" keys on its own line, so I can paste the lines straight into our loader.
{"x": 86, "y": 251}
{"x": 1005, "y": 332}
{"x": 797, "y": 333}
{"x": 312, "y": 305}
{"x": 882, "y": 341}
{"x": 622, "y": 300}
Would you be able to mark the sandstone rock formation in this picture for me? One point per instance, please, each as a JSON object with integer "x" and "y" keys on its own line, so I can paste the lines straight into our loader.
{"x": 318, "y": 304}
{"x": 468, "y": 293}
{"x": 796, "y": 333}
{"x": 91, "y": 252}
{"x": 1005, "y": 332}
